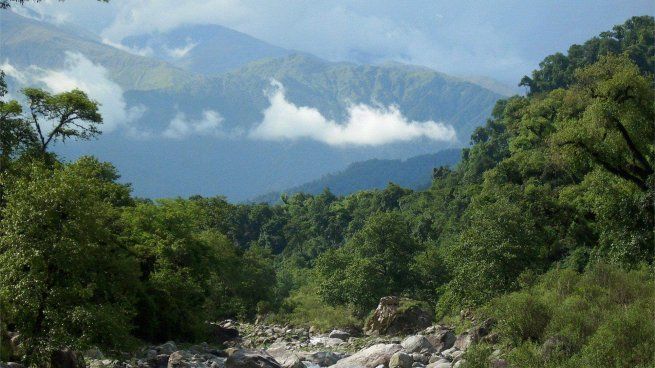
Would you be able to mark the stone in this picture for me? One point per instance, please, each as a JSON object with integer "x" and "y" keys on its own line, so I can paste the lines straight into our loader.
{"x": 463, "y": 341}
{"x": 94, "y": 353}
{"x": 400, "y": 360}
{"x": 251, "y": 359}
{"x": 338, "y": 334}
{"x": 167, "y": 348}
{"x": 417, "y": 344}
{"x": 224, "y": 331}
{"x": 439, "y": 364}
{"x": 441, "y": 339}
{"x": 325, "y": 341}
{"x": 66, "y": 358}
{"x": 420, "y": 358}
{"x": 11, "y": 365}
{"x": 158, "y": 361}
{"x": 286, "y": 358}
{"x": 321, "y": 358}
{"x": 397, "y": 316}
{"x": 370, "y": 357}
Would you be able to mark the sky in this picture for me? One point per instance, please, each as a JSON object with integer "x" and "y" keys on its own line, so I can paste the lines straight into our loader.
{"x": 503, "y": 39}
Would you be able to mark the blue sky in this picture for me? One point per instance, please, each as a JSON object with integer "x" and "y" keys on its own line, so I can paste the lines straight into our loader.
{"x": 500, "y": 39}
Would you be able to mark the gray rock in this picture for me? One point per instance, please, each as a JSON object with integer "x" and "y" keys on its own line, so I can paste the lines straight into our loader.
{"x": 286, "y": 358}
{"x": 417, "y": 344}
{"x": 321, "y": 358}
{"x": 167, "y": 348}
{"x": 251, "y": 359}
{"x": 370, "y": 357}
{"x": 338, "y": 334}
{"x": 400, "y": 360}
{"x": 394, "y": 316}
{"x": 421, "y": 358}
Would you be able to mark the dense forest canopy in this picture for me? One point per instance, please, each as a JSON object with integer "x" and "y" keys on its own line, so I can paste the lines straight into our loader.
{"x": 557, "y": 187}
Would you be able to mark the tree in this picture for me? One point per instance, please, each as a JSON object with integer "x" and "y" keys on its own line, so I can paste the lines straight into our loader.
{"x": 15, "y": 133}
{"x": 72, "y": 114}
{"x": 374, "y": 263}
{"x": 608, "y": 120}
{"x": 64, "y": 276}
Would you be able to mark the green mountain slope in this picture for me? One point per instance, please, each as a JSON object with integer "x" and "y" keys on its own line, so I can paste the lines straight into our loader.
{"x": 413, "y": 173}
{"x": 25, "y": 42}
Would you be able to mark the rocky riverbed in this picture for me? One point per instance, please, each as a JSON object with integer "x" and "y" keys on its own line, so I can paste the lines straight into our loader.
{"x": 393, "y": 337}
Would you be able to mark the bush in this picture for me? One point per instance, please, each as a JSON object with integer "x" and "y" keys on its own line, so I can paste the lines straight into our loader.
{"x": 600, "y": 318}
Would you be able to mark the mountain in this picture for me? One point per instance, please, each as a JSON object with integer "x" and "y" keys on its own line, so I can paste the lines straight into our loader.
{"x": 493, "y": 85}
{"x": 194, "y": 133}
{"x": 26, "y": 42}
{"x": 205, "y": 49}
{"x": 414, "y": 173}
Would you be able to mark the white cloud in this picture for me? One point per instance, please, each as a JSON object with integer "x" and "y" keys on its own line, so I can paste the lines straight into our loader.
{"x": 181, "y": 127}
{"x": 366, "y": 125}
{"x": 79, "y": 72}
{"x": 181, "y": 51}
{"x": 146, "y": 51}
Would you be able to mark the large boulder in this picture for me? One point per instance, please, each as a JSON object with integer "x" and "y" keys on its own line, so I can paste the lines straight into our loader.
{"x": 66, "y": 358}
{"x": 370, "y": 357}
{"x": 224, "y": 331}
{"x": 251, "y": 359}
{"x": 417, "y": 344}
{"x": 396, "y": 316}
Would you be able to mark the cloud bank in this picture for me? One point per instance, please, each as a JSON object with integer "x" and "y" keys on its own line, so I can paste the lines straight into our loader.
{"x": 79, "y": 72}
{"x": 181, "y": 127}
{"x": 365, "y": 126}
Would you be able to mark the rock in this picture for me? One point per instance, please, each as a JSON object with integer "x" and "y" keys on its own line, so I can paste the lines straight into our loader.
{"x": 400, "y": 360}
{"x": 178, "y": 359}
{"x": 420, "y": 358}
{"x": 417, "y": 344}
{"x": 66, "y": 358}
{"x": 94, "y": 353}
{"x": 325, "y": 341}
{"x": 224, "y": 331}
{"x": 322, "y": 358}
{"x": 441, "y": 339}
{"x": 439, "y": 364}
{"x": 463, "y": 341}
{"x": 338, "y": 334}
{"x": 11, "y": 365}
{"x": 286, "y": 358}
{"x": 158, "y": 361}
{"x": 370, "y": 357}
{"x": 167, "y": 348}
{"x": 251, "y": 359}
{"x": 395, "y": 316}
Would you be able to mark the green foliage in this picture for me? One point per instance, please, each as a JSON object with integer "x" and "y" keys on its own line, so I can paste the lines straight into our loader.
{"x": 634, "y": 38}
{"x": 65, "y": 279}
{"x": 602, "y": 317}
{"x": 305, "y": 307}
{"x": 370, "y": 265}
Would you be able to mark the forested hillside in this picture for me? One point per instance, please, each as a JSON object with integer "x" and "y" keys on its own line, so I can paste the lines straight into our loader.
{"x": 545, "y": 227}
{"x": 413, "y": 173}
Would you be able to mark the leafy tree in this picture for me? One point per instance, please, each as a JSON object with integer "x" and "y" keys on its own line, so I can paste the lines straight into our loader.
{"x": 73, "y": 116}
{"x": 15, "y": 133}
{"x": 372, "y": 264}
{"x": 64, "y": 275}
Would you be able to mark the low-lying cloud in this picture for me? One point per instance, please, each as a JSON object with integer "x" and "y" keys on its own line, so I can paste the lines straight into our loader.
{"x": 79, "y": 72}
{"x": 181, "y": 126}
{"x": 365, "y": 126}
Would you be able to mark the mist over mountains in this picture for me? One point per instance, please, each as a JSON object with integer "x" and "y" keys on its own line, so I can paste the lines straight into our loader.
{"x": 208, "y": 110}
